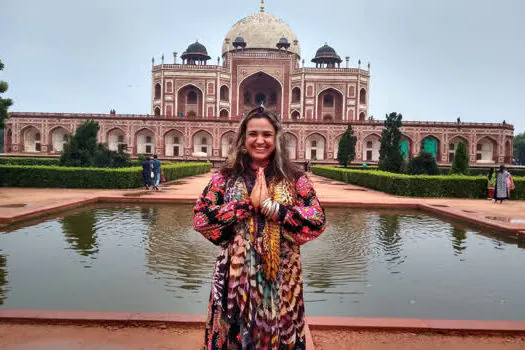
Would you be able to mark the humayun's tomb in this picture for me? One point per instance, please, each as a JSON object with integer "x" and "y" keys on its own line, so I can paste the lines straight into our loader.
{"x": 196, "y": 107}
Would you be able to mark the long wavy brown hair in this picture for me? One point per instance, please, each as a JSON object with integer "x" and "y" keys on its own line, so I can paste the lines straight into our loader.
{"x": 239, "y": 161}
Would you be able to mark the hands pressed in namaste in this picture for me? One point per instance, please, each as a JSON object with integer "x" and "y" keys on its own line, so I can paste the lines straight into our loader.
{"x": 260, "y": 189}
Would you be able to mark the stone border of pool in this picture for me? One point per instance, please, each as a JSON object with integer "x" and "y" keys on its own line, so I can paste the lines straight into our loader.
{"x": 314, "y": 322}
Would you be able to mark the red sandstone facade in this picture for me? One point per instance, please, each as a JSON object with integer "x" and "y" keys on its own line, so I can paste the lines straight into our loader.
{"x": 196, "y": 107}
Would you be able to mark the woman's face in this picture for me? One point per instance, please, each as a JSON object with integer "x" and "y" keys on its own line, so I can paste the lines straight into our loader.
{"x": 260, "y": 139}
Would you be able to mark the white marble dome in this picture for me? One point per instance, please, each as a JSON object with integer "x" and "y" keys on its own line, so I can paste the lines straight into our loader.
{"x": 261, "y": 31}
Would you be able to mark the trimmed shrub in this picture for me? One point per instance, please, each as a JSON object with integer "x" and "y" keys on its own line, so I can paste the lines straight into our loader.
{"x": 424, "y": 163}
{"x": 451, "y": 186}
{"x": 29, "y": 161}
{"x": 74, "y": 177}
{"x": 346, "y": 150}
{"x": 460, "y": 163}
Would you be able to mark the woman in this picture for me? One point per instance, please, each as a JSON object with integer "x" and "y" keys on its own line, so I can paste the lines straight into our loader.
{"x": 259, "y": 208}
{"x": 501, "y": 190}
{"x": 491, "y": 183}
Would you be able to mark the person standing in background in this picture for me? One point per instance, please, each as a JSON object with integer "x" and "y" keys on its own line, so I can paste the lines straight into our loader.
{"x": 146, "y": 172}
{"x": 491, "y": 183}
{"x": 156, "y": 172}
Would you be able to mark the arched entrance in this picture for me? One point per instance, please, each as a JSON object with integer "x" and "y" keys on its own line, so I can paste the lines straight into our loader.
{"x": 371, "y": 146}
{"x": 227, "y": 143}
{"x": 330, "y": 105}
{"x": 173, "y": 144}
{"x": 486, "y": 151}
{"x": 260, "y": 88}
{"x": 189, "y": 101}
{"x": 291, "y": 145}
{"x": 32, "y": 140}
{"x": 59, "y": 137}
{"x": 315, "y": 147}
{"x": 145, "y": 142}
{"x": 430, "y": 144}
{"x": 405, "y": 145}
{"x": 202, "y": 142}
{"x": 116, "y": 139}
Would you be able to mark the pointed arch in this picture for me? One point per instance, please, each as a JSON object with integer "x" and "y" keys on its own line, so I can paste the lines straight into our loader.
{"x": 406, "y": 145}
{"x": 430, "y": 143}
{"x": 145, "y": 141}
{"x": 31, "y": 139}
{"x": 116, "y": 139}
{"x": 295, "y": 114}
{"x": 190, "y": 100}
{"x": 224, "y": 114}
{"x": 202, "y": 142}
{"x": 225, "y": 93}
{"x": 173, "y": 143}
{"x": 290, "y": 141}
{"x": 296, "y": 95}
{"x": 330, "y": 103}
{"x": 486, "y": 149}
{"x": 264, "y": 85}
{"x": 315, "y": 146}
{"x": 59, "y": 137}
{"x": 370, "y": 146}
{"x": 227, "y": 143}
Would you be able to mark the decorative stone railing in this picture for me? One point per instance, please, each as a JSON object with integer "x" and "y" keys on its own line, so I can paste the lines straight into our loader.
{"x": 374, "y": 123}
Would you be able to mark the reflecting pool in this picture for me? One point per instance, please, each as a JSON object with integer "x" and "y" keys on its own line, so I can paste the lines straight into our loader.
{"x": 368, "y": 263}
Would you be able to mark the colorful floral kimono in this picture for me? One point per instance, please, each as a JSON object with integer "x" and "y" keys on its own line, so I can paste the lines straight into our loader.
{"x": 256, "y": 299}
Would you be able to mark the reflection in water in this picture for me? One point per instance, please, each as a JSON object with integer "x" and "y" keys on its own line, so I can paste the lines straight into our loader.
{"x": 3, "y": 278}
{"x": 459, "y": 240}
{"x": 80, "y": 232}
{"x": 389, "y": 240}
{"x": 341, "y": 255}
{"x": 368, "y": 263}
{"x": 175, "y": 252}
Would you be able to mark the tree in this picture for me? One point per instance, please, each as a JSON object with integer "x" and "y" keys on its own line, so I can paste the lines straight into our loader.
{"x": 346, "y": 150}
{"x": 519, "y": 148}
{"x": 5, "y": 103}
{"x": 390, "y": 156}
{"x": 82, "y": 147}
{"x": 84, "y": 151}
{"x": 424, "y": 163}
{"x": 460, "y": 162}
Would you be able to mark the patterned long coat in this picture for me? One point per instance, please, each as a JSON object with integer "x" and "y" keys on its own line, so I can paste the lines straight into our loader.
{"x": 251, "y": 307}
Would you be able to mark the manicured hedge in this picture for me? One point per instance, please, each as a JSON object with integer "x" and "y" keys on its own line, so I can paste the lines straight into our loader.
{"x": 28, "y": 161}
{"x": 485, "y": 171}
{"x": 451, "y": 186}
{"x": 66, "y": 177}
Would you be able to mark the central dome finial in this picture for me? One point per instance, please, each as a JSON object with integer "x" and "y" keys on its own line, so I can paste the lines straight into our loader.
{"x": 262, "y": 5}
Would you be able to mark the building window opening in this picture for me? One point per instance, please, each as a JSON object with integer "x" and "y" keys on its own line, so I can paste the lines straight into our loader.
{"x": 260, "y": 98}
{"x": 148, "y": 139}
{"x": 157, "y": 91}
{"x": 192, "y": 98}
{"x": 328, "y": 101}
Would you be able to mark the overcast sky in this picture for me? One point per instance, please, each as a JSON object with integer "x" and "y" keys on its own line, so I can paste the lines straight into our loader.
{"x": 431, "y": 59}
